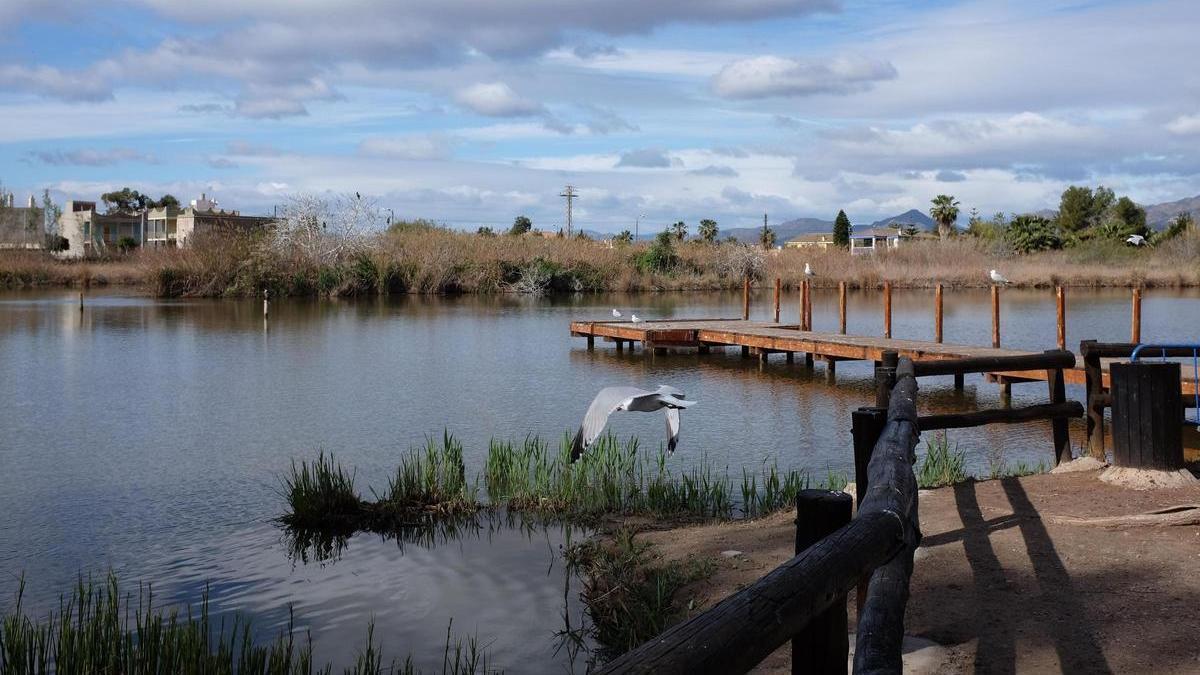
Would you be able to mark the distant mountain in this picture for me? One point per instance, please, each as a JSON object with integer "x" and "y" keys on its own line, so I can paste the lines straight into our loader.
{"x": 909, "y": 217}
{"x": 1157, "y": 215}
{"x": 783, "y": 231}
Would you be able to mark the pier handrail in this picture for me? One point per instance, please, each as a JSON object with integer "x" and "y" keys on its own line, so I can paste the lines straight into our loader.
{"x": 1050, "y": 360}
{"x": 740, "y": 631}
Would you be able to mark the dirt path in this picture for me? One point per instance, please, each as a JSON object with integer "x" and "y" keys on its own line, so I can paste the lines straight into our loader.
{"x": 1004, "y": 589}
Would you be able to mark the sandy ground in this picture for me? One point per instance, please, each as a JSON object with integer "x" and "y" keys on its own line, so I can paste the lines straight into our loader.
{"x": 1005, "y": 590}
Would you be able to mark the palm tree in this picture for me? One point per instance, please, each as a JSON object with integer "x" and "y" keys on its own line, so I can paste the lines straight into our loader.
{"x": 944, "y": 213}
{"x": 679, "y": 229}
{"x": 626, "y": 237}
{"x": 708, "y": 230}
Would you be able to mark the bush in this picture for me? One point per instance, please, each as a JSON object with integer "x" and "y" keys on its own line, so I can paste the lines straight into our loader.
{"x": 660, "y": 257}
{"x": 1028, "y": 234}
{"x": 126, "y": 244}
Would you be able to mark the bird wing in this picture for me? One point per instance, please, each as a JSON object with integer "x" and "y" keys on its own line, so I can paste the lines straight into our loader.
{"x": 672, "y": 429}
{"x": 668, "y": 389}
{"x": 596, "y": 418}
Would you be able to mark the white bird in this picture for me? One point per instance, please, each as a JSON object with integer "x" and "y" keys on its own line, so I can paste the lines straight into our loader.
{"x": 634, "y": 318}
{"x": 808, "y": 271}
{"x": 614, "y": 399}
{"x": 616, "y": 314}
{"x": 1135, "y": 239}
{"x": 996, "y": 277}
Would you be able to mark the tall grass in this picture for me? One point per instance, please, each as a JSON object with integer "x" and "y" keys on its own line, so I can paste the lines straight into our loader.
{"x": 433, "y": 479}
{"x": 321, "y": 494}
{"x": 941, "y": 465}
{"x": 98, "y": 630}
{"x": 434, "y": 260}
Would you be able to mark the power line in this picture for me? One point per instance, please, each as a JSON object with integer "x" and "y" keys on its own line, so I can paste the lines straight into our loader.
{"x": 570, "y": 194}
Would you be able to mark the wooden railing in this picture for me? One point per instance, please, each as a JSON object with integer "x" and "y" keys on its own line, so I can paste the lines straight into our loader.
{"x": 804, "y": 599}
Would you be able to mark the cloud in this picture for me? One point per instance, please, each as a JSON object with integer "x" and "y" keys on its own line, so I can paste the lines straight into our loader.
{"x": 716, "y": 170}
{"x": 648, "y": 158}
{"x": 591, "y": 51}
{"x": 92, "y": 157}
{"x": 945, "y": 176}
{"x": 80, "y": 86}
{"x": 1184, "y": 125}
{"x": 250, "y": 149}
{"x": 605, "y": 121}
{"x": 765, "y": 76}
{"x": 496, "y": 99}
{"x": 412, "y": 147}
{"x": 222, "y": 163}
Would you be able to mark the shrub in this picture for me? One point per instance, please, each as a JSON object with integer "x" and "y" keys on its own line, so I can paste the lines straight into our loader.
{"x": 660, "y": 257}
{"x": 126, "y": 244}
{"x": 1029, "y": 233}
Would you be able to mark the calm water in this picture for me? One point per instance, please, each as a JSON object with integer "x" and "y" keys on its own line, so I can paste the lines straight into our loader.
{"x": 147, "y": 436}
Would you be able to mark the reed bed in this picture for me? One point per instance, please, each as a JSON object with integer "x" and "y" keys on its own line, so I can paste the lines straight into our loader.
{"x": 98, "y": 630}
{"x": 430, "y": 260}
{"x": 941, "y": 465}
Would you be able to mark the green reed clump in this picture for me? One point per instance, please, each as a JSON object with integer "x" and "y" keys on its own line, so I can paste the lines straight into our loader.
{"x": 97, "y": 630}
{"x": 941, "y": 466}
{"x": 432, "y": 480}
{"x": 629, "y": 591}
{"x": 320, "y": 494}
{"x": 1017, "y": 469}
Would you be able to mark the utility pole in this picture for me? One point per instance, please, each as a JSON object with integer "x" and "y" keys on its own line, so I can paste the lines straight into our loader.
{"x": 570, "y": 194}
{"x": 637, "y": 227}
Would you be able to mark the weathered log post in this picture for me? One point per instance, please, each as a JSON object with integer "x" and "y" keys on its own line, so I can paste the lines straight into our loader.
{"x": 1135, "y": 319}
{"x": 823, "y": 645}
{"x": 1094, "y": 398}
{"x": 804, "y": 291}
{"x": 887, "y": 309}
{"x": 866, "y": 425}
{"x": 1146, "y": 415}
{"x": 1061, "y": 302}
{"x": 746, "y": 298}
{"x": 1058, "y": 425}
{"x": 885, "y": 378}
{"x": 995, "y": 316}
{"x": 937, "y": 314}
{"x": 842, "y": 307}
{"x": 808, "y": 305}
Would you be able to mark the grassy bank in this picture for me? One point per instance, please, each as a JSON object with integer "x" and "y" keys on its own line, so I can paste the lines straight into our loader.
{"x": 613, "y": 478}
{"x": 98, "y": 630}
{"x": 432, "y": 261}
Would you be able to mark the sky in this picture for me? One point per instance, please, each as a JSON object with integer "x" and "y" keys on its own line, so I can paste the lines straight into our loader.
{"x": 471, "y": 112}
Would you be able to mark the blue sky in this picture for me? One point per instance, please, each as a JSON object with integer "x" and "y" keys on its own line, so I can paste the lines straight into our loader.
{"x": 471, "y": 112}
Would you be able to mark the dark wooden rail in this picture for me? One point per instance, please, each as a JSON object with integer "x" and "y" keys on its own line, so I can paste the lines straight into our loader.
{"x": 741, "y": 630}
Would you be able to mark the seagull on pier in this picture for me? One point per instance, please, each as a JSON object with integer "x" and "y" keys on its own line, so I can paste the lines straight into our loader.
{"x": 615, "y": 399}
{"x": 808, "y": 271}
{"x": 1135, "y": 239}
{"x": 634, "y": 318}
{"x": 997, "y": 278}
{"x": 616, "y": 313}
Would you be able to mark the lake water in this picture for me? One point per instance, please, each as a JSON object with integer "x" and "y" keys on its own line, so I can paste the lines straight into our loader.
{"x": 147, "y": 437}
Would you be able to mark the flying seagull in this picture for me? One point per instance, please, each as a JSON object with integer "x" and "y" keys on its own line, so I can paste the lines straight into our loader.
{"x": 616, "y": 314}
{"x": 808, "y": 271}
{"x": 1135, "y": 239}
{"x": 996, "y": 277}
{"x": 614, "y": 399}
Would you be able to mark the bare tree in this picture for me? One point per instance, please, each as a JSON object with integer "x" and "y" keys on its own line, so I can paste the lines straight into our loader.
{"x": 325, "y": 231}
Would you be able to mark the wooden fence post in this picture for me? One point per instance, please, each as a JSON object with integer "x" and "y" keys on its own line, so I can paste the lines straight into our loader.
{"x": 995, "y": 316}
{"x": 937, "y": 314}
{"x": 842, "y": 307}
{"x": 887, "y": 309}
{"x": 1093, "y": 374}
{"x": 866, "y": 424}
{"x": 1058, "y": 425}
{"x": 1135, "y": 320}
{"x": 778, "y": 283}
{"x": 823, "y": 646}
{"x": 1061, "y": 301}
{"x": 885, "y": 378}
{"x": 746, "y": 298}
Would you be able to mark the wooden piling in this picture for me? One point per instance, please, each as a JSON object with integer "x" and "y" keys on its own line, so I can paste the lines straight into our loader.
{"x": 937, "y": 314}
{"x": 267, "y": 309}
{"x": 823, "y": 645}
{"x": 81, "y": 301}
{"x": 1135, "y": 320}
{"x": 995, "y": 316}
{"x": 866, "y": 424}
{"x": 842, "y": 307}
{"x": 804, "y": 305}
{"x": 778, "y": 286}
{"x": 808, "y": 306}
{"x": 1061, "y": 301}
{"x": 746, "y": 298}
{"x": 887, "y": 309}
{"x": 1058, "y": 394}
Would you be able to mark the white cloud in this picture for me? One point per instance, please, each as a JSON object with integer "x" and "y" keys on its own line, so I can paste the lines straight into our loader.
{"x": 55, "y": 83}
{"x": 647, "y": 158}
{"x": 764, "y": 76}
{"x": 1184, "y": 125}
{"x": 496, "y": 99}
{"x": 91, "y": 157}
{"x": 411, "y": 147}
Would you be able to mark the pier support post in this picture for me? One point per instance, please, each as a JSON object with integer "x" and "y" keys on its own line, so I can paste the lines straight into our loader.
{"x": 1058, "y": 425}
{"x": 823, "y": 645}
{"x": 830, "y": 370}
{"x": 790, "y": 357}
{"x": 808, "y": 360}
{"x": 702, "y": 349}
{"x": 995, "y": 316}
{"x": 959, "y": 381}
{"x": 937, "y": 314}
{"x": 591, "y": 339}
{"x": 1060, "y": 299}
{"x": 1135, "y": 319}
{"x": 778, "y": 285}
{"x": 887, "y": 309}
{"x": 746, "y": 298}
{"x": 745, "y": 352}
{"x": 842, "y": 307}
{"x": 1093, "y": 374}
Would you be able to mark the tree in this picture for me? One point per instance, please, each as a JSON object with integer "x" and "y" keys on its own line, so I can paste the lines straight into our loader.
{"x": 521, "y": 225}
{"x": 167, "y": 201}
{"x": 126, "y": 244}
{"x": 679, "y": 230}
{"x": 50, "y": 214}
{"x": 625, "y": 238}
{"x": 125, "y": 200}
{"x": 841, "y": 230}
{"x": 1181, "y": 223}
{"x": 1075, "y": 209}
{"x": 660, "y": 256}
{"x": 708, "y": 230}
{"x": 1029, "y": 233}
{"x": 485, "y": 231}
{"x": 766, "y": 237}
{"x": 944, "y": 213}
{"x": 1124, "y": 218}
